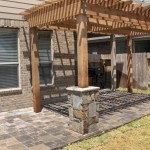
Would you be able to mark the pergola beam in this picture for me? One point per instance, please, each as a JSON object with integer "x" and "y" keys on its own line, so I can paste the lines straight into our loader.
{"x": 121, "y": 31}
{"x": 53, "y": 13}
{"x": 129, "y": 65}
{"x": 114, "y": 14}
{"x": 115, "y": 23}
{"x": 122, "y": 17}
{"x": 113, "y": 63}
{"x": 104, "y": 26}
{"x": 122, "y": 11}
{"x": 82, "y": 51}
{"x": 35, "y": 70}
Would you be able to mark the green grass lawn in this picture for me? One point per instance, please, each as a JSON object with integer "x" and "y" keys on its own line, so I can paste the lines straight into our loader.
{"x": 133, "y": 136}
{"x": 135, "y": 91}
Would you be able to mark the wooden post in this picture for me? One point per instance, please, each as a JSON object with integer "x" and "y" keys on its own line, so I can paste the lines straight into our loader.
{"x": 129, "y": 66}
{"x": 113, "y": 63}
{"x": 35, "y": 70}
{"x": 82, "y": 51}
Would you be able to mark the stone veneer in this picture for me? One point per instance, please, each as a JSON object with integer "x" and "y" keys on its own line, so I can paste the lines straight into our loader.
{"x": 63, "y": 68}
{"x": 83, "y": 113}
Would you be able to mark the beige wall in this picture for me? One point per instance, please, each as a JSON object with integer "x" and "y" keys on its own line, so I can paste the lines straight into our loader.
{"x": 11, "y": 9}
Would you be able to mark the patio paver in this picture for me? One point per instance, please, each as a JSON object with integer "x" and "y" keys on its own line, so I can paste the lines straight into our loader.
{"x": 24, "y": 130}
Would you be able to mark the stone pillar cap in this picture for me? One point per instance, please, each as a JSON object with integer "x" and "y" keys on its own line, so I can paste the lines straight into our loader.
{"x": 78, "y": 89}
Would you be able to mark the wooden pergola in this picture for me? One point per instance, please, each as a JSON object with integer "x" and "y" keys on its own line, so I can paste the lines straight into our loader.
{"x": 121, "y": 17}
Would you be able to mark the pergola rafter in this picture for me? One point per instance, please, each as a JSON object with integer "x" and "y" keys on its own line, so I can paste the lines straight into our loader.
{"x": 109, "y": 11}
{"x": 122, "y": 17}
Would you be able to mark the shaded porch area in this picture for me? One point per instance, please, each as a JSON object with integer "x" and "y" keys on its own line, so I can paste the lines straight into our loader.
{"x": 108, "y": 103}
{"x": 86, "y": 16}
{"x": 25, "y": 130}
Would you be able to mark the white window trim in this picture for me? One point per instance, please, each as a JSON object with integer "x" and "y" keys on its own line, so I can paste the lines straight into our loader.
{"x": 15, "y": 63}
{"x": 52, "y": 59}
{"x": 19, "y": 60}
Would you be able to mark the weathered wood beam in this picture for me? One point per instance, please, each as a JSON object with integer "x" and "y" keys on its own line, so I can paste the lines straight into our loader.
{"x": 119, "y": 30}
{"x": 105, "y": 22}
{"x": 82, "y": 51}
{"x": 107, "y": 3}
{"x": 122, "y": 5}
{"x": 113, "y": 63}
{"x": 110, "y": 31}
{"x": 53, "y": 13}
{"x": 122, "y": 28}
{"x": 136, "y": 29}
{"x": 145, "y": 10}
{"x": 129, "y": 66}
{"x": 35, "y": 70}
{"x": 125, "y": 5}
{"x": 116, "y": 15}
{"x": 60, "y": 27}
{"x": 104, "y": 26}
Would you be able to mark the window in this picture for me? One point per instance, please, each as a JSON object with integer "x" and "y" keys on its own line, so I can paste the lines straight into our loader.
{"x": 45, "y": 57}
{"x": 121, "y": 46}
{"x": 142, "y": 46}
{"x": 9, "y": 63}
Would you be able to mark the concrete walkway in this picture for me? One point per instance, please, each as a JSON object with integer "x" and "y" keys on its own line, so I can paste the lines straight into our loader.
{"x": 24, "y": 130}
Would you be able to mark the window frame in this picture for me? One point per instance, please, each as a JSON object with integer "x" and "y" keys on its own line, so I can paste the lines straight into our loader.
{"x": 14, "y": 63}
{"x": 139, "y": 39}
{"x": 48, "y": 62}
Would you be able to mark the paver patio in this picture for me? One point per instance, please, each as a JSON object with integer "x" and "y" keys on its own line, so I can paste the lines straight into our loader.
{"x": 24, "y": 130}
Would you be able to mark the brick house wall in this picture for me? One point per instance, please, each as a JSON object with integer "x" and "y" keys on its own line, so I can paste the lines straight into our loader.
{"x": 63, "y": 68}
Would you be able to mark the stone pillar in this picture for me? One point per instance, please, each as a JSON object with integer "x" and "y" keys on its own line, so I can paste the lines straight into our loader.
{"x": 83, "y": 113}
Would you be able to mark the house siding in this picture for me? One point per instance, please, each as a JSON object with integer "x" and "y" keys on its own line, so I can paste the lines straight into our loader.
{"x": 11, "y": 9}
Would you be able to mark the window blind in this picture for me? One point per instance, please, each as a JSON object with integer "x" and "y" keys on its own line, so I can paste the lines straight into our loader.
{"x": 8, "y": 45}
{"x": 45, "y": 57}
{"x": 9, "y": 58}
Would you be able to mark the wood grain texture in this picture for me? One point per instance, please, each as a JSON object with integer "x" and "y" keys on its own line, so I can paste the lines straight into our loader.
{"x": 113, "y": 63}
{"x": 129, "y": 65}
{"x": 107, "y": 17}
{"x": 35, "y": 70}
{"x": 82, "y": 51}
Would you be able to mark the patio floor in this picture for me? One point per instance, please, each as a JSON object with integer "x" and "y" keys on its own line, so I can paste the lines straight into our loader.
{"x": 24, "y": 130}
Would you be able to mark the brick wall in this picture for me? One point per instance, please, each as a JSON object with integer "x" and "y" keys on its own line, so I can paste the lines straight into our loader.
{"x": 63, "y": 66}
